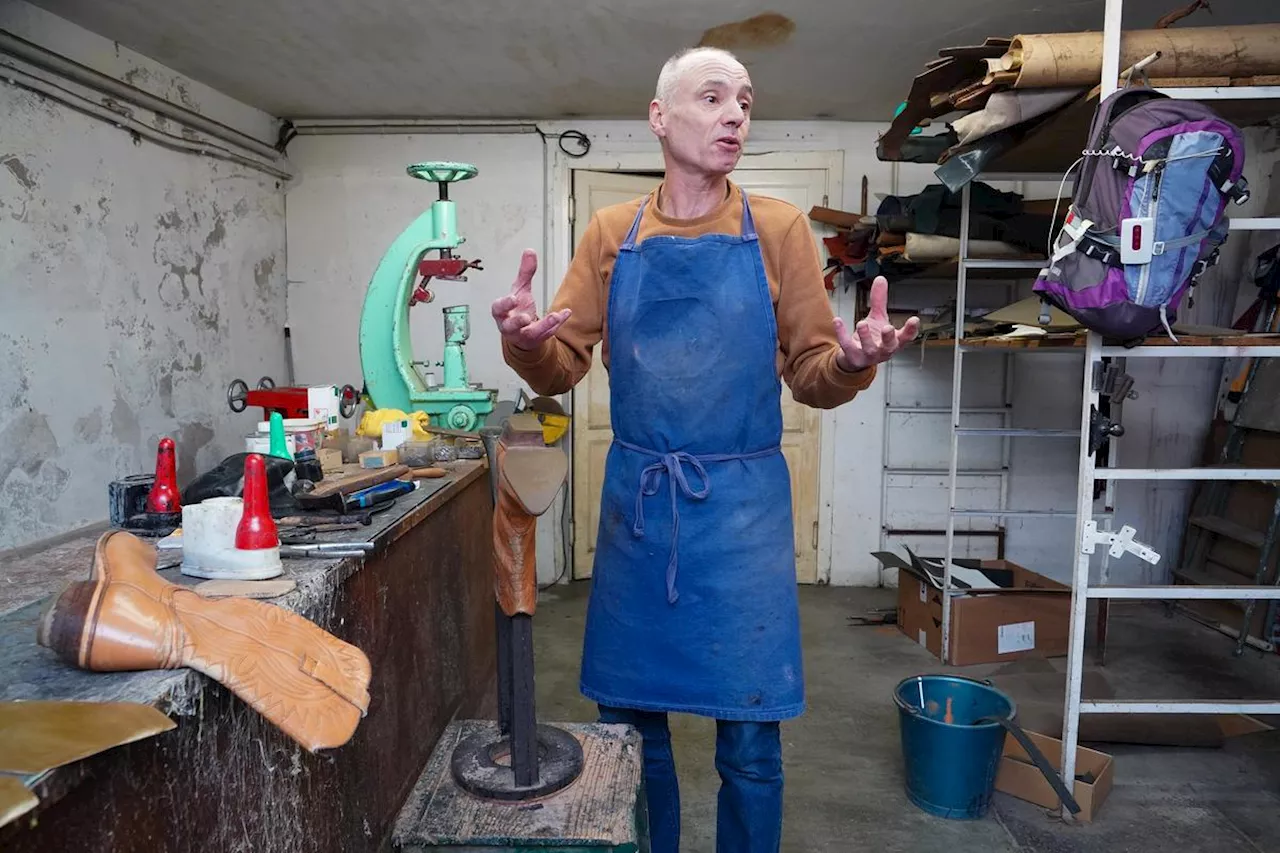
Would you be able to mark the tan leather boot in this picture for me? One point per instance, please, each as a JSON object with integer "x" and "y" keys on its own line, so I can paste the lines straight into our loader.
{"x": 307, "y": 682}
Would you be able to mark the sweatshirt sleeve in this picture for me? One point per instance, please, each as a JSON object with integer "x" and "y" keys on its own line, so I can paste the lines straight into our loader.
{"x": 562, "y": 360}
{"x": 806, "y": 330}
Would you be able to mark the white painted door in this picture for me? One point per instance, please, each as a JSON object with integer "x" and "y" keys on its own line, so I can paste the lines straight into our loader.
{"x": 592, "y": 433}
{"x": 801, "y": 442}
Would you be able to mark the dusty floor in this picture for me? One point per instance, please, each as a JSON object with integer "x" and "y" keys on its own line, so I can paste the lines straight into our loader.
{"x": 843, "y": 759}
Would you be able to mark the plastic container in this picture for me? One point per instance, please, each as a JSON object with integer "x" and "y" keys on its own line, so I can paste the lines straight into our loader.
{"x": 442, "y": 451}
{"x": 209, "y": 544}
{"x": 950, "y": 759}
{"x": 416, "y": 454}
{"x": 307, "y": 433}
{"x": 260, "y": 442}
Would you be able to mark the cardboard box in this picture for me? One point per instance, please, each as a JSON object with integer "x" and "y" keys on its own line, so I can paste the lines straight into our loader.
{"x": 330, "y": 460}
{"x": 1025, "y": 615}
{"x": 1019, "y": 777}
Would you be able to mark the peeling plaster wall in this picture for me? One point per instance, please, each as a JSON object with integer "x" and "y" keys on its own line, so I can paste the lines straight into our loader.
{"x": 137, "y": 283}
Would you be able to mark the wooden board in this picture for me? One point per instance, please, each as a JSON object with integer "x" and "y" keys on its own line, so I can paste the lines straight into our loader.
{"x": 354, "y": 478}
{"x": 596, "y": 812}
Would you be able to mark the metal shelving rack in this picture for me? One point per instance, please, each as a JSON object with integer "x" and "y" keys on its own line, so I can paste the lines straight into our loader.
{"x": 1093, "y": 527}
{"x": 1086, "y": 536}
{"x": 1004, "y": 411}
{"x": 965, "y": 264}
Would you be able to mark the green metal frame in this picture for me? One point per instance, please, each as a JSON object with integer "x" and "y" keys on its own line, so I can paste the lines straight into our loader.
{"x": 386, "y": 351}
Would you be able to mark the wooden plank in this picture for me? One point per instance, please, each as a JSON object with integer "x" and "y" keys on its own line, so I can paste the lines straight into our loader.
{"x": 596, "y": 812}
{"x": 1230, "y": 529}
{"x": 833, "y": 217}
{"x": 354, "y": 478}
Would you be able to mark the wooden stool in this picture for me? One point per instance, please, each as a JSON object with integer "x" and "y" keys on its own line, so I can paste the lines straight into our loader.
{"x": 603, "y": 811}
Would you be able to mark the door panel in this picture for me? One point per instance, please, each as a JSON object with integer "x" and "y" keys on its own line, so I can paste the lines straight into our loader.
{"x": 592, "y": 433}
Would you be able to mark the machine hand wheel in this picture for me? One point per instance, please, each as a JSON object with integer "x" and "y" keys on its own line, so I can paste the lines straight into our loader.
{"x": 348, "y": 397}
{"x": 442, "y": 172}
{"x": 238, "y": 395}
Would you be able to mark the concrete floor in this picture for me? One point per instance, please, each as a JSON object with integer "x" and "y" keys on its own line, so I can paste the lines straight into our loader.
{"x": 844, "y": 765}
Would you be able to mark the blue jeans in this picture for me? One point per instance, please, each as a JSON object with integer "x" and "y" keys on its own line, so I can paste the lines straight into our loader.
{"x": 749, "y": 760}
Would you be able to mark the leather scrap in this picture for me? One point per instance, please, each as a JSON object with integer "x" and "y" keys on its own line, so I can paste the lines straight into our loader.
{"x": 42, "y": 735}
{"x": 224, "y": 588}
{"x": 530, "y": 475}
{"x": 514, "y": 548}
{"x": 15, "y": 800}
{"x": 310, "y": 684}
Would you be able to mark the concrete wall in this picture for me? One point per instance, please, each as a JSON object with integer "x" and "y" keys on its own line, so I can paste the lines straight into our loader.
{"x": 138, "y": 282}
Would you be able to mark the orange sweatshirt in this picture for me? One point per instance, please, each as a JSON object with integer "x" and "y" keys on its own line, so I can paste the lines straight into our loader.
{"x": 807, "y": 346}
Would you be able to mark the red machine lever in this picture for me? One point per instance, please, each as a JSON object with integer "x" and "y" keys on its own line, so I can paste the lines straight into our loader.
{"x": 447, "y": 268}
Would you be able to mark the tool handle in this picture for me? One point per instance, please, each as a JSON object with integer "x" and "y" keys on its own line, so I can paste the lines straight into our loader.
{"x": 383, "y": 491}
{"x": 424, "y": 474}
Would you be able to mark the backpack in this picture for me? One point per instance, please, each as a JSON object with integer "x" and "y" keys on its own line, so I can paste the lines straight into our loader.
{"x": 1146, "y": 216}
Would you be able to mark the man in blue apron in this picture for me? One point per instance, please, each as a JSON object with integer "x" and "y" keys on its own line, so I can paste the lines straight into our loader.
{"x": 702, "y": 301}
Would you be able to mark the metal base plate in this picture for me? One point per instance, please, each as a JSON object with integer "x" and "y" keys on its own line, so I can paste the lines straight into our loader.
{"x": 481, "y": 765}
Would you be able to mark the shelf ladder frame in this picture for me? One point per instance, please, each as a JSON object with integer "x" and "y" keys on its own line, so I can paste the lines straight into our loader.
{"x": 964, "y": 265}
{"x": 1082, "y": 593}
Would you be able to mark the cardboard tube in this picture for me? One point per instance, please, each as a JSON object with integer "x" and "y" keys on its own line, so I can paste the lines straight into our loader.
{"x": 1075, "y": 59}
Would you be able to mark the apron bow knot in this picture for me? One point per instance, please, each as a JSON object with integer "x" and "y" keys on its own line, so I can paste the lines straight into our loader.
{"x": 671, "y": 464}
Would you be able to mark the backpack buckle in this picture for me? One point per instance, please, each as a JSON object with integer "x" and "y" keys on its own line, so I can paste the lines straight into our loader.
{"x": 1199, "y": 267}
{"x": 1237, "y": 191}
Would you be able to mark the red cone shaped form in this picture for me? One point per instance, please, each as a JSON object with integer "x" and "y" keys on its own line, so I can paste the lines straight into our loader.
{"x": 164, "y": 495}
{"x": 257, "y": 529}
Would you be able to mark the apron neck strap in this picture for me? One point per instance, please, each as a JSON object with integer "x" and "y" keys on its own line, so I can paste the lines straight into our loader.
{"x": 629, "y": 244}
{"x": 748, "y": 224}
{"x": 748, "y": 221}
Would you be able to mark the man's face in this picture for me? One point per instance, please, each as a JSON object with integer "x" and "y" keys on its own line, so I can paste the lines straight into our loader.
{"x": 705, "y": 124}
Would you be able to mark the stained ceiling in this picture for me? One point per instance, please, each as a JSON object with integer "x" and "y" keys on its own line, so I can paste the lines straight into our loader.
{"x": 546, "y": 59}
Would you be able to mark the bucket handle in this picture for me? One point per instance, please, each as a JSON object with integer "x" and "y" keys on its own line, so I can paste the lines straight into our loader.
{"x": 1037, "y": 757}
{"x": 912, "y": 709}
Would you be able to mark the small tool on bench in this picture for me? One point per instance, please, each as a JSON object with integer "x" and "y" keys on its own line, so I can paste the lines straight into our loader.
{"x": 361, "y": 518}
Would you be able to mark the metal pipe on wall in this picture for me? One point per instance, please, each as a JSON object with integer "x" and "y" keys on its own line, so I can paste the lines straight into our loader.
{"x": 49, "y": 61}
{"x": 359, "y": 127}
{"x": 76, "y": 102}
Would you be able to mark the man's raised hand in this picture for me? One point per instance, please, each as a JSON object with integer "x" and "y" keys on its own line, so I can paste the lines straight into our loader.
{"x": 517, "y": 316}
{"x": 876, "y": 340}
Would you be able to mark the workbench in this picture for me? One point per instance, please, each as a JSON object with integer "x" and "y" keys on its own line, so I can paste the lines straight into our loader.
{"x": 420, "y": 606}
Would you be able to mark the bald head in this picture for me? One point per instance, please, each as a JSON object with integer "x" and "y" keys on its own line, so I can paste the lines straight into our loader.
{"x": 701, "y": 111}
{"x": 676, "y": 67}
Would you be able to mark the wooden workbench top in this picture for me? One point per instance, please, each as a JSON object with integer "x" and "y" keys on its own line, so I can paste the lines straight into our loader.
{"x": 420, "y": 605}
{"x": 28, "y": 671}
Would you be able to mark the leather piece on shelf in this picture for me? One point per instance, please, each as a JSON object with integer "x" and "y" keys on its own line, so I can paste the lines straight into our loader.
{"x": 42, "y": 735}
{"x": 15, "y": 800}
{"x": 1075, "y": 59}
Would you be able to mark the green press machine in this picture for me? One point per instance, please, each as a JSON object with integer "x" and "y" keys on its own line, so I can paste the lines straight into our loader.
{"x": 391, "y": 375}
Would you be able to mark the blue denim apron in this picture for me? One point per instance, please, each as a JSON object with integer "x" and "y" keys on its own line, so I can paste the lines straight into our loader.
{"x": 693, "y": 604}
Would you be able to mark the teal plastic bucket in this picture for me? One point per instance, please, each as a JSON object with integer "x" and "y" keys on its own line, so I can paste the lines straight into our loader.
{"x": 951, "y": 766}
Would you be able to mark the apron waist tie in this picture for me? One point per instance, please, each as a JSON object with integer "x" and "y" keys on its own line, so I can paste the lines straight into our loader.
{"x": 672, "y": 464}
